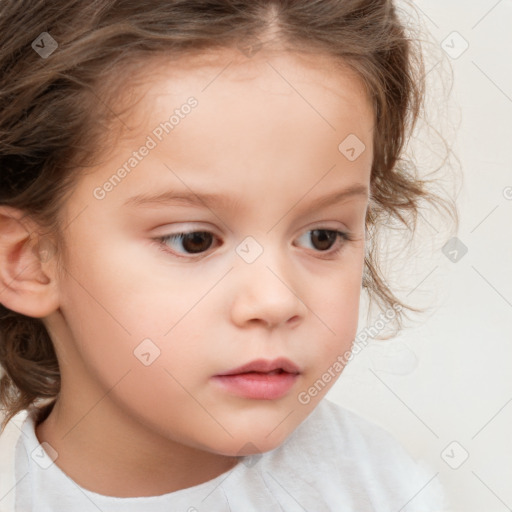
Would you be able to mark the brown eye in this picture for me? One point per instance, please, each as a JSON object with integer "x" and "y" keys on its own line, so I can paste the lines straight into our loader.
{"x": 323, "y": 239}
{"x": 192, "y": 243}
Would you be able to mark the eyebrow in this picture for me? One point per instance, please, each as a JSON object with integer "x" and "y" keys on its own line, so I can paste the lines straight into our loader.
{"x": 215, "y": 200}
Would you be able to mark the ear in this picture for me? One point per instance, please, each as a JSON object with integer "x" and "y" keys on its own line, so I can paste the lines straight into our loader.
{"x": 27, "y": 264}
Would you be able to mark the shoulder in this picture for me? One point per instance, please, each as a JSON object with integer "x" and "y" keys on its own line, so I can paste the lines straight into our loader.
{"x": 376, "y": 464}
{"x": 349, "y": 431}
{"x": 12, "y": 429}
{"x": 9, "y": 437}
{"x": 10, "y": 434}
{"x": 346, "y": 428}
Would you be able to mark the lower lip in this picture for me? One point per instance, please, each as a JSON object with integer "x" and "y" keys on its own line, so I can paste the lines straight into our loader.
{"x": 259, "y": 386}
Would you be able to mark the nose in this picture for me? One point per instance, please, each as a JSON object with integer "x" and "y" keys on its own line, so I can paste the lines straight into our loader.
{"x": 265, "y": 293}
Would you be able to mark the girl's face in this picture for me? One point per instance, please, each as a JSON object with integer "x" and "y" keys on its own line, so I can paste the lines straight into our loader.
{"x": 253, "y": 156}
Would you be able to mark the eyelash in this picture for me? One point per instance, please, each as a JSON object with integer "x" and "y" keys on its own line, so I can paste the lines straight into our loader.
{"x": 332, "y": 253}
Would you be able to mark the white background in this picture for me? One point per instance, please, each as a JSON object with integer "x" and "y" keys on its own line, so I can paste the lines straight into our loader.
{"x": 447, "y": 377}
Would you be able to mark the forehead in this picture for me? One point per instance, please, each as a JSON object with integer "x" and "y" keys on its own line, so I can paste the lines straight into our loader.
{"x": 259, "y": 124}
{"x": 296, "y": 82}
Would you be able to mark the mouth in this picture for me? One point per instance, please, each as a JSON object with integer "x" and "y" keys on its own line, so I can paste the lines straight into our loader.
{"x": 260, "y": 380}
{"x": 275, "y": 367}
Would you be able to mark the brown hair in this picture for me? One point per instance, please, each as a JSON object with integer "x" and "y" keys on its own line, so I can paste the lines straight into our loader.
{"x": 55, "y": 110}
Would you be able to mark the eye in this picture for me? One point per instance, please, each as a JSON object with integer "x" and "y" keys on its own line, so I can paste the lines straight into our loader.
{"x": 197, "y": 242}
{"x": 324, "y": 239}
{"x": 193, "y": 242}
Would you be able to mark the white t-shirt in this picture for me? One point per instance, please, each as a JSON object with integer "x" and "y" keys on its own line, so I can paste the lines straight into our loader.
{"x": 333, "y": 461}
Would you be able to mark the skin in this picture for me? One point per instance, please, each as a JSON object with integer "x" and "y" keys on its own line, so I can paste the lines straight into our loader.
{"x": 273, "y": 151}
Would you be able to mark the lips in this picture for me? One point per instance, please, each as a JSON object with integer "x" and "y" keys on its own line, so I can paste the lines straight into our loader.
{"x": 259, "y": 380}
{"x": 266, "y": 366}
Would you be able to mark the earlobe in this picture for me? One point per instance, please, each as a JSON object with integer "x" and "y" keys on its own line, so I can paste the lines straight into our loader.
{"x": 27, "y": 283}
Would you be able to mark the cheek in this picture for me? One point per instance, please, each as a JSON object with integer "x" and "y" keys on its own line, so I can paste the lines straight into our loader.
{"x": 339, "y": 299}
{"x": 336, "y": 315}
{"x": 115, "y": 329}
{"x": 124, "y": 310}
{"x": 341, "y": 320}
{"x": 150, "y": 376}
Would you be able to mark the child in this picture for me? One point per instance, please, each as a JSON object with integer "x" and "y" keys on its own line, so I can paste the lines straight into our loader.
{"x": 145, "y": 373}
